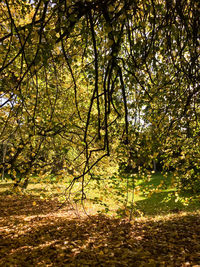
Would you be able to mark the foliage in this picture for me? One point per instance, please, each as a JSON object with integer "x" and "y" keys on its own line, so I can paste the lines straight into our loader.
{"x": 82, "y": 80}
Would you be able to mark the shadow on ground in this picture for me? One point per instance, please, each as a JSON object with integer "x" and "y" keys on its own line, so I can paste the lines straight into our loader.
{"x": 25, "y": 205}
{"x": 37, "y": 236}
{"x": 167, "y": 202}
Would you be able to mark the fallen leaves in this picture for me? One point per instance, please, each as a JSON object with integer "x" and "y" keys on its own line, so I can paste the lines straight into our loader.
{"x": 39, "y": 235}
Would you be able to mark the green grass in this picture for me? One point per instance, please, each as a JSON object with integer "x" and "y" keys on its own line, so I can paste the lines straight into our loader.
{"x": 160, "y": 197}
{"x": 152, "y": 196}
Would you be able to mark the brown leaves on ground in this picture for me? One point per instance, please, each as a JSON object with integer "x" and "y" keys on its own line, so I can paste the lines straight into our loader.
{"x": 33, "y": 233}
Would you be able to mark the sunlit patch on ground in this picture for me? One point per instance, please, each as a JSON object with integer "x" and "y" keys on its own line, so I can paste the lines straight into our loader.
{"x": 42, "y": 235}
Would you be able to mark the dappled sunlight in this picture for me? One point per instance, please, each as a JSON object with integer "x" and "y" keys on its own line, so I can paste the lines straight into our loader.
{"x": 99, "y": 133}
{"x": 48, "y": 237}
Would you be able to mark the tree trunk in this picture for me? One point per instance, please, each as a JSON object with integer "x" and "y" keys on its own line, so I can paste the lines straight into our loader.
{"x": 154, "y": 165}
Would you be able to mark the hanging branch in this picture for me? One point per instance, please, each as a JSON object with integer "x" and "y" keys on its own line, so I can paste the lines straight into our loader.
{"x": 25, "y": 41}
{"x": 73, "y": 78}
{"x": 125, "y": 104}
{"x": 96, "y": 72}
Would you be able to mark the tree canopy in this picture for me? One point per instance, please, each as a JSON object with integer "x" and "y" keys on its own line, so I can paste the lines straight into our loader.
{"x": 82, "y": 80}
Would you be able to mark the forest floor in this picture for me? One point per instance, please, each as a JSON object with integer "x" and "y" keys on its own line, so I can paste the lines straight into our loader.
{"x": 33, "y": 232}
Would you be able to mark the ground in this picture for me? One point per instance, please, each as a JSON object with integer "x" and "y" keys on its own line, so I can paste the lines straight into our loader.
{"x": 33, "y": 232}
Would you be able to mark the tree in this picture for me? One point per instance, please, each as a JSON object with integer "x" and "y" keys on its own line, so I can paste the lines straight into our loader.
{"x": 128, "y": 64}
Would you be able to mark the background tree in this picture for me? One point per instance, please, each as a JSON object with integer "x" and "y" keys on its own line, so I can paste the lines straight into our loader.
{"x": 124, "y": 63}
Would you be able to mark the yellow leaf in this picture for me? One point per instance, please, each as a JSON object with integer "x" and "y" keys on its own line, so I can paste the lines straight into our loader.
{"x": 111, "y": 8}
{"x": 109, "y": 29}
{"x": 110, "y": 43}
{"x": 34, "y": 203}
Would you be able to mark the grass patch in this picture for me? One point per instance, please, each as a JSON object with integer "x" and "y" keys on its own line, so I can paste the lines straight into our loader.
{"x": 152, "y": 196}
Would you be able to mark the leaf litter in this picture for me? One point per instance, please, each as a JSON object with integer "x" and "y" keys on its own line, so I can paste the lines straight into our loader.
{"x": 33, "y": 232}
